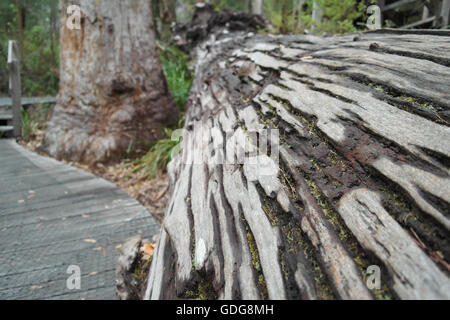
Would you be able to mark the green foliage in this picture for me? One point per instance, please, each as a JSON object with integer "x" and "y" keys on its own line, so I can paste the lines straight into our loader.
{"x": 158, "y": 156}
{"x": 40, "y": 45}
{"x": 339, "y": 16}
{"x": 280, "y": 23}
{"x": 238, "y": 5}
{"x": 28, "y": 125}
{"x": 179, "y": 78}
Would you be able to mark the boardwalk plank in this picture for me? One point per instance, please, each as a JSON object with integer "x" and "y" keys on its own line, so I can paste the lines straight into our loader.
{"x": 42, "y": 235}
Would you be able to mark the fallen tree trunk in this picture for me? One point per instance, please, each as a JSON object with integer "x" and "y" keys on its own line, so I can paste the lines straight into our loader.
{"x": 357, "y": 128}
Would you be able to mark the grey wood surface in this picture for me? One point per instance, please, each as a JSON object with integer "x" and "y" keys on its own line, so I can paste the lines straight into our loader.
{"x": 7, "y": 102}
{"x": 361, "y": 175}
{"x": 15, "y": 87}
{"x": 49, "y": 215}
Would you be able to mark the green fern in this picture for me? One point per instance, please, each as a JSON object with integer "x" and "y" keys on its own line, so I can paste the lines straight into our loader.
{"x": 28, "y": 125}
{"x": 158, "y": 156}
{"x": 175, "y": 65}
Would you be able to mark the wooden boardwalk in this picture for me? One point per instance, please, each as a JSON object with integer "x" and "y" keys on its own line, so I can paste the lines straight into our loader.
{"x": 7, "y": 102}
{"x": 52, "y": 216}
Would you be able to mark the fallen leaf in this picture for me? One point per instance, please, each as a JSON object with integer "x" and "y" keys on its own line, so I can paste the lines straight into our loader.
{"x": 102, "y": 249}
{"x": 161, "y": 193}
{"x": 35, "y": 287}
{"x": 84, "y": 215}
{"x": 90, "y": 240}
{"x": 93, "y": 273}
{"x": 147, "y": 249}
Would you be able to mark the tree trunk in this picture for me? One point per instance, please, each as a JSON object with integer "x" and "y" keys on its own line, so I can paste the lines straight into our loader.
{"x": 182, "y": 11}
{"x": 20, "y": 17}
{"x": 316, "y": 15}
{"x": 358, "y": 153}
{"x": 112, "y": 87}
{"x": 297, "y": 14}
{"x": 53, "y": 28}
{"x": 256, "y": 7}
{"x": 167, "y": 12}
{"x": 284, "y": 16}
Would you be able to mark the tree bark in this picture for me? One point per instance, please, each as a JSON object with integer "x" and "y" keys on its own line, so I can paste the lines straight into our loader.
{"x": 20, "y": 17}
{"x": 256, "y": 7}
{"x": 112, "y": 87}
{"x": 297, "y": 14}
{"x": 182, "y": 12}
{"x": 362, "y": 177}
{"x": 53, "y": 29}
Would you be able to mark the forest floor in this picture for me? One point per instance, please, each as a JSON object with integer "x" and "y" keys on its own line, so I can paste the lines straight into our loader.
{"x": 152, "y": 193}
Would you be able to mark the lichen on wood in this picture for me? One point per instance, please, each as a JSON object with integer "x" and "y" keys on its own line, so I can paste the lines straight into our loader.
{"x": 362, "y": 177}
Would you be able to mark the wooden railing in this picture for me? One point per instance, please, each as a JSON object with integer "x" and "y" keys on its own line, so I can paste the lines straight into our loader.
{"x": 7, "y": 102}
{"x": 15, "y": 87}
{"x": 439, "y": 18}
{"x": 10, "y": 115}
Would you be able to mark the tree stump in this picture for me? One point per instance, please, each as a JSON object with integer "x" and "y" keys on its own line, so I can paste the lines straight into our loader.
{"x": 112, "y": 86}
{"x": 357, "y": 128}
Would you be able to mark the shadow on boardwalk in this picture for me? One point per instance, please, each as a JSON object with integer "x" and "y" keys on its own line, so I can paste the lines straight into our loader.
{"x": 52, "y": 216}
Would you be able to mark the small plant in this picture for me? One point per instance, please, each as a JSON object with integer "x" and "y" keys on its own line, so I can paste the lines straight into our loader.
{"x": 28, "y": 125}
{"x": 158, "y": 156}
{"x": 178, "y": 76}
{"x": 339, "y": 16}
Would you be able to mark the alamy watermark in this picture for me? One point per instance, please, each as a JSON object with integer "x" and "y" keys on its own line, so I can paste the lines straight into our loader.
{"x": 73, "y": 22}
{"x": 73, "y": 282}
{"x": 373, "y": 280}
{"x": 374, "y": 20}
{"x": 256, "y": 150}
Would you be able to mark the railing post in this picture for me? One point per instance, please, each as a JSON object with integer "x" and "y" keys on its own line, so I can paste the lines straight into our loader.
{"x": 15, "y": 86}
{"x": 445, "y": 13}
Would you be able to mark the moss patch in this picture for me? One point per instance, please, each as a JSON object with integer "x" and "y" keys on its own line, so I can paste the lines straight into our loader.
{"x": 256, "y": 262}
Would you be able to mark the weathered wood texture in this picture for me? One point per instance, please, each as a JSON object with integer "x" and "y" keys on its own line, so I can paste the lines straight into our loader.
{"x": 53, "y": 216}
{"x": 15, "y": 87}
{"x": 362, "y": 178}
{"x": 7, "y": 102}
{"x": 9, "y": 121}
{"x": 112, "y": 86}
